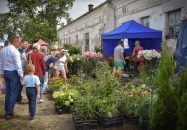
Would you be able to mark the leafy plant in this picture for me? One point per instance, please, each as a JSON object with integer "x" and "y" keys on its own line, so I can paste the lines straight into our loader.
{"x": 84, "y": 108}
{"x": 164, "y": 109}
{"x": 69, "y": 47}
{"x": 64, "y": 97}
{"x": 107, "y": 107}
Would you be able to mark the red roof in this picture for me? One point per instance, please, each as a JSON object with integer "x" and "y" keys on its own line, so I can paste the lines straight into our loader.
{"x": 42, "y": 43}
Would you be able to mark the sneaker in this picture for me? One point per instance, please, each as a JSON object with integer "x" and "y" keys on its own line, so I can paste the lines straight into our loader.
{"x": 31, "y": 118}
{"x": 41, "y": 100}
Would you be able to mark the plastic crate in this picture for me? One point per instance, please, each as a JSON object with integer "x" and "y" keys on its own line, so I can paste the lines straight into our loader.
{"x": 84, "y": 124}
{"x": 110, "y": 122}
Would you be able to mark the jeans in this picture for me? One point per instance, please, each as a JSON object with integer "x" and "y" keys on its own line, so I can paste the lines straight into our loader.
{"x": 31, "y": 93}
{"x": 46, "y": 78}
{"x": 19, "y": 97}
{"x": 41, "y": 86}
{"x": 12, "y": 81}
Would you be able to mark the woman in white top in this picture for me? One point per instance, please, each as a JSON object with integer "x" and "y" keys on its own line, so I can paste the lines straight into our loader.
{"x": 61, "y": 66}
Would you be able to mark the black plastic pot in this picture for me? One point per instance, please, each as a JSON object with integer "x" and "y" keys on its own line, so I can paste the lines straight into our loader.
{"x": 134, "y": 119}
{"x": 145, "y": 126}
{"x": 110, "y": 122}
{"x": 62, "y": 109}
{"x": 84, "y": 124}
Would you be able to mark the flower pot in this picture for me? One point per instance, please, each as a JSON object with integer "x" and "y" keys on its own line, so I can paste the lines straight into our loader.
{"x": 110, "y": 122}
{"x": 145, "y": 125}
{"x": 81, "y": 124}
{"x": 63, "y": 109}
{"x": 132, "y": 118}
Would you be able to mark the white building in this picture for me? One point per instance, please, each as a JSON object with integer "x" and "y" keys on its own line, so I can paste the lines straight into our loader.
{"x": 85, "y": 31}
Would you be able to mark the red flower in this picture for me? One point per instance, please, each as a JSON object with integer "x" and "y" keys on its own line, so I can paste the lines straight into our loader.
{"x": 110, "y": 58}
{"x": 124, "y": 86}
{"x": 130, "y": 95}
{"x": 144, "y": 92}
{"x": 134, "y": 93}
{"x": 149, "y": 90}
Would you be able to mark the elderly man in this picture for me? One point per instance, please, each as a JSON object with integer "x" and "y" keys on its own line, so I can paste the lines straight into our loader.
{"x": 137, "y": 60}
{"x": 11, "y": 71}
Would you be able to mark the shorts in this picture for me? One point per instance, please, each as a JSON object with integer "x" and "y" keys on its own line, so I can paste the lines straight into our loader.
{"x": 119, "y": 64}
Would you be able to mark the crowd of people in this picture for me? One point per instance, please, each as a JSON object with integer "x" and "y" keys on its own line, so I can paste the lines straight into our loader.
{"x": 31, "y": 66}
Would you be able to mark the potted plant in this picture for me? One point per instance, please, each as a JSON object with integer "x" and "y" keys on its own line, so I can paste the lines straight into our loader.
{"x": 63, "y": 100}
{"x": 83, "y": 113}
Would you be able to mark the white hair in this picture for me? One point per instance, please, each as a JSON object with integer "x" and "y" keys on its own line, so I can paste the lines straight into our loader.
{"x": 37, "y": 46}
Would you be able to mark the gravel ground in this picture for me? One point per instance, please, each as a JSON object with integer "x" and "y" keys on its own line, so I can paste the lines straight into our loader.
{"x": 45, "y": 119}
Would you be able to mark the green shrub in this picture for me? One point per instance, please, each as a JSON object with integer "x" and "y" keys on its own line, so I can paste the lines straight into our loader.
{"x": 164, "y": 109}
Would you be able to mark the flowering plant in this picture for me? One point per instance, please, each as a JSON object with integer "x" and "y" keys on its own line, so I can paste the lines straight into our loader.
{"x": 111, "y": 61}
{"x": 55, "y": 84}
{"x": 90, "y": 59}
{"x": 74, "y": 63}
{"x": 149, "y": 54}
{"x": 91, "y": 54}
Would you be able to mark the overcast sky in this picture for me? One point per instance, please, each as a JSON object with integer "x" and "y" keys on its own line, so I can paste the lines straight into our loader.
{"x": 79, "y": 7}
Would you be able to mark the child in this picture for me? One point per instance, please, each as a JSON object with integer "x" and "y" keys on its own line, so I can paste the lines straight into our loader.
{"x": 32, "y": 84}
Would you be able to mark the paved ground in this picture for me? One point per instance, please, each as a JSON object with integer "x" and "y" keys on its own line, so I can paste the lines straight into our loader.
{"x": 45, "y": 119}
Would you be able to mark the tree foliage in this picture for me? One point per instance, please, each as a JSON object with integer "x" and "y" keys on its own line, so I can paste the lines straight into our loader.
{"x": 182, "y": 100}
{"x": 40, "y": 17}
{"x": 164, "y": 110}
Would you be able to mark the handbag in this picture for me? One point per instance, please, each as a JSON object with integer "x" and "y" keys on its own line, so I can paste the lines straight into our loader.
{"x": 29, "y": 61}
{"x": 2, "y": 86}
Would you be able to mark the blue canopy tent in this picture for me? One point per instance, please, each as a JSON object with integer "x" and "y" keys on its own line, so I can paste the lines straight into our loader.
{"x": 131, "y": 30}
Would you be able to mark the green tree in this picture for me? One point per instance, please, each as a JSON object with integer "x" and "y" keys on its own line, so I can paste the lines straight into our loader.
{"x": 182, "y": 119}
{"x": 182, "y": 100}
{"x": 41, "y": 16}
{"x": 182, "y": 85}
{"x": 164, "y": 109}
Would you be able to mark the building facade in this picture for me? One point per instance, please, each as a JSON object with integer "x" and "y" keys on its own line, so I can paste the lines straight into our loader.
{"x": 85, "y": 31}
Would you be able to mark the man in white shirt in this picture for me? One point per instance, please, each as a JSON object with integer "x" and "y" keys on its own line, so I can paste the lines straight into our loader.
{"x": 11, "y": 71}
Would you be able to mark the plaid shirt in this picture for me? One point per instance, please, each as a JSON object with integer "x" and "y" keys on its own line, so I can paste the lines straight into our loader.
{"x": 38, "y": 61}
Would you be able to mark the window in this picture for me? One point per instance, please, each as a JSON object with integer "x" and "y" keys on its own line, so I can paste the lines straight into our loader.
{"x": 86, "y": 41}
{"x": 69, "y": 40}
{"x": 145, "y": 21}
{"x": 174, "y": 19}
{"x": 124, "y": 9}
{"x": 77, "y": 39}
